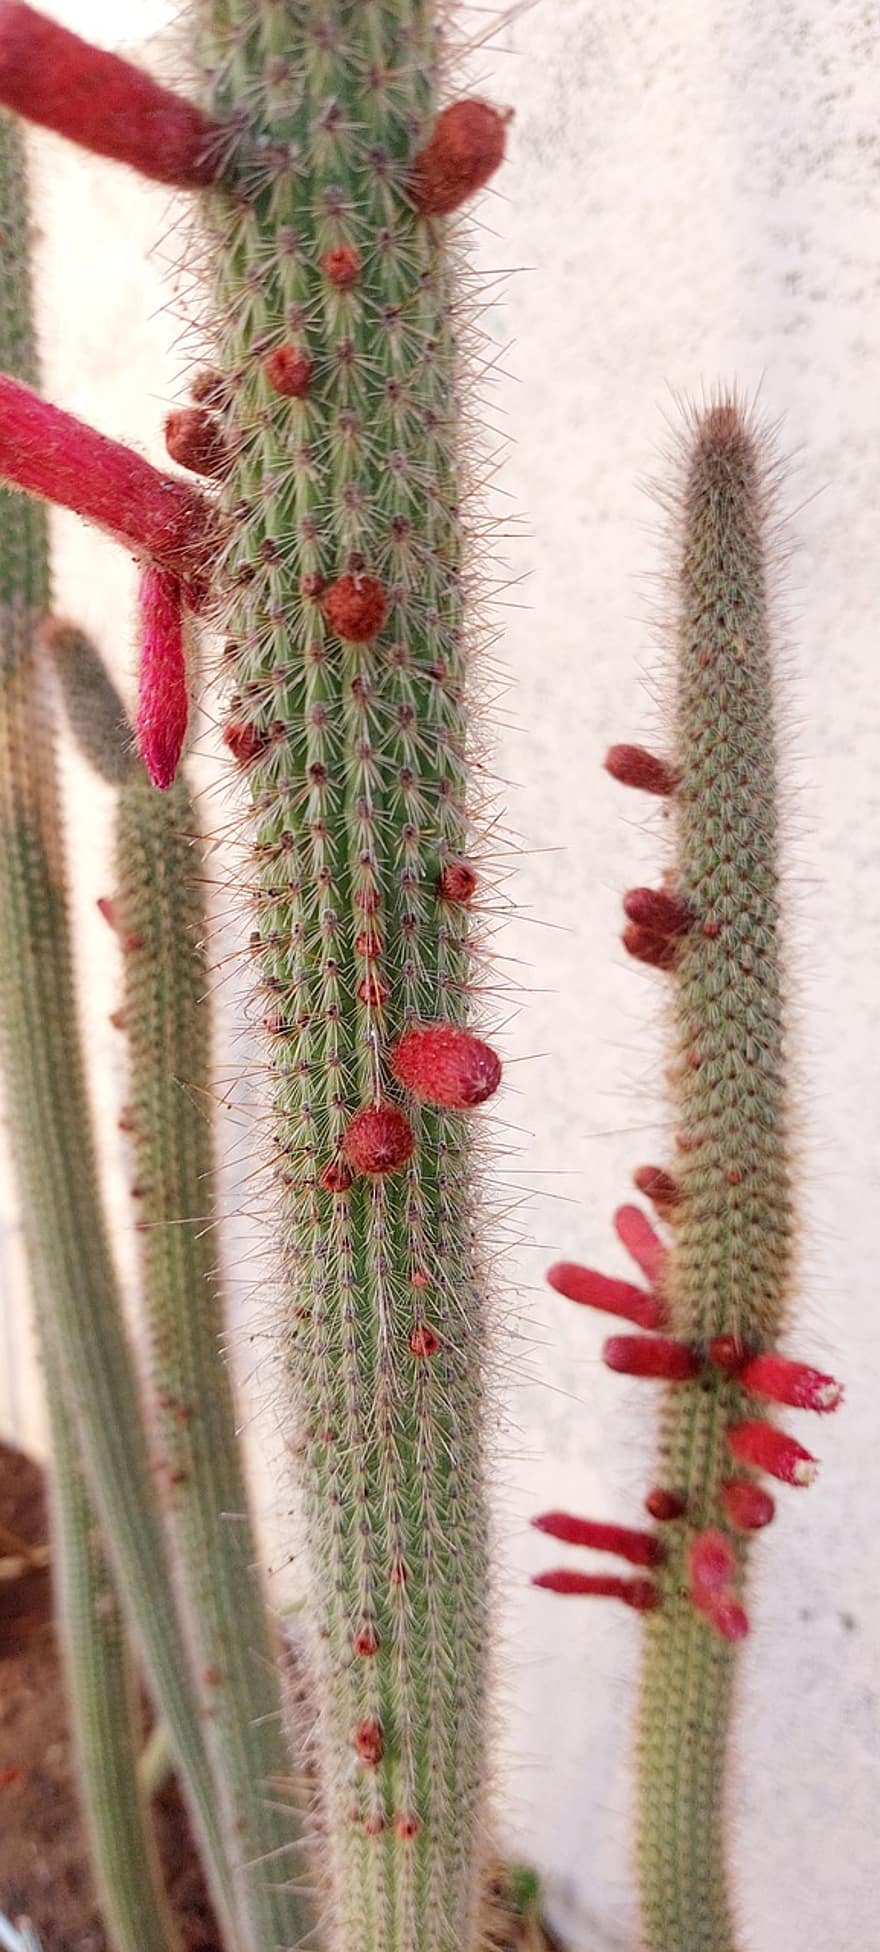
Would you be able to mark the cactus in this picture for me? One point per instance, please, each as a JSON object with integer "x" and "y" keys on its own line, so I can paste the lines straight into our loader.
{"x": 160, "y": 918}
{"x": 103, "y": 1692}
{"x": 338, "y": 571}
{"x": 73, "y": 1279}
{"x": 722, "y": 1289}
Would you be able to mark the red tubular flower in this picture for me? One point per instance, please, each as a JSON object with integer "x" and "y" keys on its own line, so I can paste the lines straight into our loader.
{"x": 779, "y": 1380}
{"x": 592, "y": 1290}
{"x": 50, "y": 76}
{"x": 50, "y": 454}
{"x": 655, "y": 910}
{"x": 765, "y": 1448}
{"x": 657, "y": 1185}
{"x": 639, "y": 1593}
{"x": 633, "y": 766}
{"x": 642, "y": 1242}
{"x": 465, "y": 148}
{"x": 638, "y": 1548}
{"x": 656, "y": 1356}
{"x": 445, "y": 1065}
{"x": 163, "y": 698}
{"x": 746, "y": 1505}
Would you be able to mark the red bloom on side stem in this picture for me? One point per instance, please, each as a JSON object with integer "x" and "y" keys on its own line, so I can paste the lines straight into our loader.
{"x": 641, "y": 1594}
{"x": 659, "y": 1357}
{"x": 591, "y": 1290}
{"x": 780, "y": 1380}
{"x": 163, "y": 698}
{"x": 445, "y": 1065}
{"x": 105, "y": 104}
{"x": 638, "y": 1548}
{"x": 634, "y": 766}
{"x": 767, "y": 1449}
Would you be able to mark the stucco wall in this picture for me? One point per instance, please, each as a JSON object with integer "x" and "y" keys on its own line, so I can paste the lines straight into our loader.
{"x": 694, "y": 194}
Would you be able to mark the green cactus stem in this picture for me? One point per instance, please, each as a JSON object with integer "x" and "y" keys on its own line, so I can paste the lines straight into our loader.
{"x": 160, "y": 916}
{"x": 72, "y": 1275}
{"x": 104, "y": 1695}
{"x": 335, "y": 335}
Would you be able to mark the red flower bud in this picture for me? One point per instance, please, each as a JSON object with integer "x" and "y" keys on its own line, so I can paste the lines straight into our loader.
{"x": 445, "y": 1065}
{"x": 378, "y": 1140}
{"x": 665, "y": 1506}
{"x": 712, "y": 1563}
{"x": 592, "y": 1290}
{"x": 727, "y": 1353}
{"x": 782, "y": 1381}
{"x": 465, "y": 148}
{"x": 746, "y": 1505}
{"x": 337, "y": 1177}
{"x": 657, "y": 1185}
{"x": 245, "y": 742}
{"x": 355, "y": 608}
{"x": 638, "y": 1548}
{"x": 656, "y": 1356}
{"x": 633, "y": 766}
{"x": 289, "y": 372}
{"x": 658, "y": 951}
{"x": 655, "y": 910}
{"x": 369, "y": 1744}
{"x": 424, "y": 1341}
{"x": 194, "y": 441}
{"x": 639, "y": 1593}
{"x": 727, "y": 1616}
{"x": 765, "y": 1448}
{"x": 642, "y": 1242}
{"x": 341, "y": 265}
{"x": 457, "y": 882}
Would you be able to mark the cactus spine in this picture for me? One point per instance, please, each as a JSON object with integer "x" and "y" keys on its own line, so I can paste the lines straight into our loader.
{"x": 71, "y": 1270}
{"x": 336, "y": 344}
{"x": 160, "y": 916}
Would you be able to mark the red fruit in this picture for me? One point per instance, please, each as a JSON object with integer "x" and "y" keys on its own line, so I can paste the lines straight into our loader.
{"x": 639, "y": 1593}
{"x": 194, "y": 441}
{"x": 656, "y": 1356}
{"x": 779, "y": 1380}
{"x": 424, "y": 1341}
{"x": 765, "y": 1448}
{"x": 665, "y": 1506}
{"x": 633, "y": 766}
{"x": 378, "y": 1140}
{"x": 163, "y": 698}
{"x": 355, "y": 608}
{"x": 655, "y": 910}
{"x": 341, "y": 265}
{"x": 289, "y": 372}
{"x": 642, "y": 1242}
{"x": 712, "y": 1564}
{"x": 105, "y": 104}
{"x": 245, "y": 742}
{"x": 657, "y": 1185}
{"x": 658, "y": 951}
{"x": 638, "y": 1548}
{"x": 746, "y": 1505}
{"x": 445, "y": 1065}
{"x": 456, "y": 882}
{"x": 465, "y": 148}
{"x": 592, "y": 1290}
{"x": 369, "y": 1744}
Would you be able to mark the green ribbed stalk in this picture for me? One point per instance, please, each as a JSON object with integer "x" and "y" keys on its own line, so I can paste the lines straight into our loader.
{"x": 730, "y": 1267}
{"x": 102, "y": 1688}
{"x": 160, "y": 914}
{"x": 45, "y": 1093}
{"x": 359, "y": 782}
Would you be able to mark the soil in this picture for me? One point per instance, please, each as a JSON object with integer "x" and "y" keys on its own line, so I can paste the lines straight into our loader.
{"x": 44, "y": 1871}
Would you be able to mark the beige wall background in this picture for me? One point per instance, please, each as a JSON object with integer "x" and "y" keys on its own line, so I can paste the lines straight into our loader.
{"x": 692, "y": 196}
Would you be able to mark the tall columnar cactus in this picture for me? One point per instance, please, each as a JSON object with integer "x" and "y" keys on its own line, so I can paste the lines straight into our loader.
{"x": 720, "y": 1295}
{"x": 331, "y": 417}
{"x": 72, "y": 1275}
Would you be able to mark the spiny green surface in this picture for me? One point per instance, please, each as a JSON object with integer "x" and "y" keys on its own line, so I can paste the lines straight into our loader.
{"x": 94, "y": 709}
{"x": 730, "y": 1267}
{"x": 103, "y": 1690}
{"x": 160, "y": 915}
{"x": 359, "y": 789}
{"x": 46, "y": 1102}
